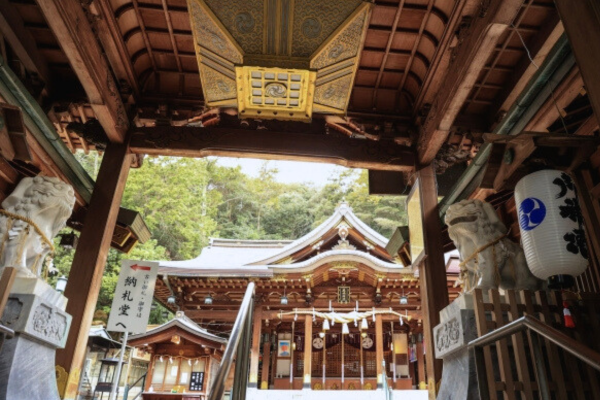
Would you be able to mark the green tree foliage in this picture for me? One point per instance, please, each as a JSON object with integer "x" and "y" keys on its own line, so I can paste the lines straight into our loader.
{"x": 382, "y": 213}
{"x": 173, "y": 197}
{"x": 185, "y": 202}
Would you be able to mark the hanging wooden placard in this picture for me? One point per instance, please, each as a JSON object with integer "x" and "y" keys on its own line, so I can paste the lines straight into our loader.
{"x": 343, "y": 294}
{"x": 197, "y": 381}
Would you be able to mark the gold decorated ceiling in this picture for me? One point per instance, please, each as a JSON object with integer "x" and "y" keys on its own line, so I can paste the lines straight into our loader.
{"x": 319, "y": 41}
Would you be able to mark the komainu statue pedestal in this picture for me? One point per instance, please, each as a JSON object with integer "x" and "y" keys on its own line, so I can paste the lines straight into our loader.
{"x": 451, "y": 337}
{"x": 35, "y": 311}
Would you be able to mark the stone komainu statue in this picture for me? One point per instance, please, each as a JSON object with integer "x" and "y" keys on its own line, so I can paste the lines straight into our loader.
{"x": 488, "y": 258}
{"x": 32, "y": 215}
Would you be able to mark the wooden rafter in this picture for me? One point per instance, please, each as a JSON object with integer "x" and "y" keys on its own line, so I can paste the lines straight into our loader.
{"x": 70, "y": 25}
{"x": 504, "y": 47}
{"x": 171, "y": 35}
{"x": 441, "y": 57}
{"x": 416, "y": 45}
{"x": 388, "y": 47}
{"x": 138, "y": 15}
{"x": 554, "y": 106}
{"x": 114, "y": 43}
{"x": 471, "y": 57}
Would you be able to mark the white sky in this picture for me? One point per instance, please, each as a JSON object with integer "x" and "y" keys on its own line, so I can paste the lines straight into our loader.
{"x": 289, "y": 171}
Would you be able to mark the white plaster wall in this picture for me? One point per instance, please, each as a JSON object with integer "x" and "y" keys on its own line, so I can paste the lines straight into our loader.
{"x": 255, "y": 394}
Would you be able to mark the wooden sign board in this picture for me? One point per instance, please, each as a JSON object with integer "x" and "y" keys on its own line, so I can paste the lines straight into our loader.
{"x": 133, "y": 297}
{"x": 197, "y": 381}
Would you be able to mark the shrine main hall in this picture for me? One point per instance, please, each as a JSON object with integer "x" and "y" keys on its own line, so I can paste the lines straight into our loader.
{"x": 330, "y": 307}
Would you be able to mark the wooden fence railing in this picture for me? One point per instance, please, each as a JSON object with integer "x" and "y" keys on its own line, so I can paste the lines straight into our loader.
{"x": 510, "y": 364}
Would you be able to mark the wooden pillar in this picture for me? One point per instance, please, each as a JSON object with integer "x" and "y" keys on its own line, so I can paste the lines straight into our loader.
{"x": 432, "y": 273}
{"x": 255, "y": 352}
{"x": 292, "y": 354}
{"x": 149, "y": 374}
{"x": 393, "y": 354}
{"x": 581, "y": 20}
{"x": 379, "y": 350}
{"x": 307, "y": 352}
{"x": 87, "y": 269}
{"x": 420, "y": 364}
{"x": 266, "y": 363}
{"x": 274, "y": 359}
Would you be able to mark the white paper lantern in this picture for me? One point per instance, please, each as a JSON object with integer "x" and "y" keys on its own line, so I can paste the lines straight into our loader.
{"x": 551, "y": 225}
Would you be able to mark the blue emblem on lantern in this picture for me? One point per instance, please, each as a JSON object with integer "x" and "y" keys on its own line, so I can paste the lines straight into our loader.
{"x": 531, "y": 213}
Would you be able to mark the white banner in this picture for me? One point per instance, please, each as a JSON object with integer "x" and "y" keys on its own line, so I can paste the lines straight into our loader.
{"x": 133, "y": 297}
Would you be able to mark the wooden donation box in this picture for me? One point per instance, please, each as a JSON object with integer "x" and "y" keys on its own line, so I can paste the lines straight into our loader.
{"x": 184, "y": 357}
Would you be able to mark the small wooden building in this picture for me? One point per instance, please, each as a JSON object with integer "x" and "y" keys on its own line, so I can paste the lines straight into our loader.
{"x": 184, "y": 359}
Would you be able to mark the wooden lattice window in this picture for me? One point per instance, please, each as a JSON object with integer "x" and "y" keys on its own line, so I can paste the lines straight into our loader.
{"x": 370, "y": 361}
{"x": 334, "y": 360}
{"x": 317, "y": 363}
{"x": 351, "y": 361}
{"x": 298, "y": 363}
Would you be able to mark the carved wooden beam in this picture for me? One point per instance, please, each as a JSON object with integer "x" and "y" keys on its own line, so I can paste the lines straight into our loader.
{"x": 110, "y": 36}
{"x": 69, "y": 23}
{"x": 271, "y": 145}
{"x": 471, "y": 55}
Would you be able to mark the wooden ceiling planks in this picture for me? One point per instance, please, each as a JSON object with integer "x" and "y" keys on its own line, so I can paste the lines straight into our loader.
{"x": 149, "y": 28}
{"x": 393, "y": 54}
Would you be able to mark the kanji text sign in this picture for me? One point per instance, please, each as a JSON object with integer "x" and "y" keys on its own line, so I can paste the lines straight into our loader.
{"x": 133, "y": 297}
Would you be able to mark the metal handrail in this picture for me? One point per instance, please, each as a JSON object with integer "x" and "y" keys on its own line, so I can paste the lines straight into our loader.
{"x": 563, "y": 341}
{"x": 5, "y": 330}
{"x": 241, "y": 329}
{"x": 128, "y": 387}
{"x": 386, "y": 388}
{"x": 5, "y": 333}
{"x": 570, "y": 345}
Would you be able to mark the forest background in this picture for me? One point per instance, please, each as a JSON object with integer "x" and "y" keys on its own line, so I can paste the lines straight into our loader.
{"x": 185, "y": 202}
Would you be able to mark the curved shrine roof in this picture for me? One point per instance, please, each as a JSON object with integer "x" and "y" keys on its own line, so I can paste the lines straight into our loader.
{"x": 232, "y": 257}
{"x": 179, "y": 322}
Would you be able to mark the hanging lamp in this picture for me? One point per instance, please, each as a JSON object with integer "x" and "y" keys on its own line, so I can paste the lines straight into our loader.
{"x": 284, "y": 299}
{"x": 403, "y": 298}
